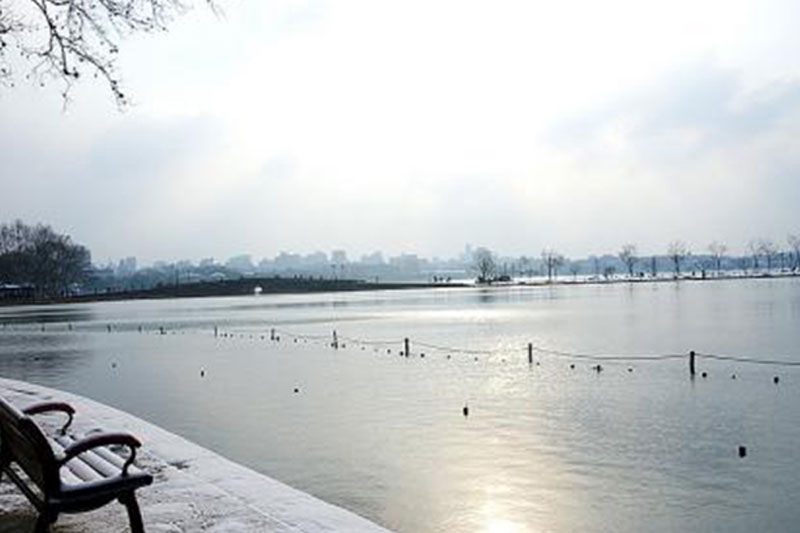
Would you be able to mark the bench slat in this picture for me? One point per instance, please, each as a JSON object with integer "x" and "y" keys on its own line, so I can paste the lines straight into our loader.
{"x": 68, "y": 478}
{"x": 83, "y": 470}
{"x": 111, "y": 457}
{"x": 104, "y": 461}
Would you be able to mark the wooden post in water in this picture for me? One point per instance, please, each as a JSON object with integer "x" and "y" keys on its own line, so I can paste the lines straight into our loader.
{"x": 691, "y": 363}
{"x": 272, "y": 334}
{"x": 335, "y": 343}
{"x": 530, "y": 353}
{"x": 406, "y": 348}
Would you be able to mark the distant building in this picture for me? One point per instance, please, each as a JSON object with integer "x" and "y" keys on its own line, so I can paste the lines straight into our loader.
{"x": 373, "y": 259}
{"x": 126, "y": 267}
{"x": 316, "y": 260}
{"x": 287, "y": 261}
{"x": 240, "y": 263}
{"x": 408, "y": 263}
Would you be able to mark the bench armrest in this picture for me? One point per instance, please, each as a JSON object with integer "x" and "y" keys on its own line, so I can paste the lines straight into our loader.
{"x": 103, "y": 439}
{"x": 49, "y": 407}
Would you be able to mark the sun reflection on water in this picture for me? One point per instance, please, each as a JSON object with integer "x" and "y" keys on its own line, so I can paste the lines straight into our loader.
{"x": 499, "y": 525}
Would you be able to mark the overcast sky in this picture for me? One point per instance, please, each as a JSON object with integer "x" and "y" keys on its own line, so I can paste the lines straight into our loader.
{"x": 422, "y": 126}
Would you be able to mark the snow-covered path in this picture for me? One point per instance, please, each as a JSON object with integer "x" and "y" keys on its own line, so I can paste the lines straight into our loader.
{"x": 194, "y": 488}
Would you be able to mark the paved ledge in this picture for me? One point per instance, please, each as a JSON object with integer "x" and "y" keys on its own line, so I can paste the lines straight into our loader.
{"x": 194, "y": 488}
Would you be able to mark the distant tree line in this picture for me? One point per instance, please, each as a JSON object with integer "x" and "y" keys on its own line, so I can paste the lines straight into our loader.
{"x": 36, "y": 256}
{"x": 762, "y": 257}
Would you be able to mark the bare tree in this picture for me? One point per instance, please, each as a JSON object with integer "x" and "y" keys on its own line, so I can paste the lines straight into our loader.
{"x": 628, "y": 257}
{"x": 718, "y": 251}
{"x": 754, "y": 248}
{"x": 574, "y": 269}
{"x": 596, "y": 266}
{"x": 525, "y": 265}
{"x": 769, "y": 250}
{"x": 552, "y": 261}
{"x": 677, "y": 251}
{"x": 743, "y": 264}
{"x": 39, "y": 256}
{"x": 484, "y": 265}
{"x": 71, "y": 39}
{"x": 794, "y": 244}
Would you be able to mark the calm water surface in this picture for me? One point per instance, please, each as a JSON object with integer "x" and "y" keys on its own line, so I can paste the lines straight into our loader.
{"x": 545, "y": 447}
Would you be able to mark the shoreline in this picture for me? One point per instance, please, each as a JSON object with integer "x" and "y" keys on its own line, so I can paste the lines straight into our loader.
{"x": 239, "y": 287}
{"x": 194, "y": 488}
{"x": 281, "y": 286}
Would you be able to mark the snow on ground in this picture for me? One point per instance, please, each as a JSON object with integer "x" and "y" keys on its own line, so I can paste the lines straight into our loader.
{"x": 194, "y": 489}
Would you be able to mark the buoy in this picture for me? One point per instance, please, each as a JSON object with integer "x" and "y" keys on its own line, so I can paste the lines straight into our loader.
{"x": 704, "y": 374}
{"x": 742, "y": 451}
{"x": 630, "y": 369}
{"x": 572, "y": 366}
{"x": 465, "y": 410}
{"x": 422, "y": 355}
{"x": 775, "y": 380}
{"x": 113, "y": 365}
{"x": 476, "y": 358}
{"x": 202, "y": 372}
{"x": 733, "y": 376}
{"x": 296, "y": 390}
{"x": 448, "y": 356}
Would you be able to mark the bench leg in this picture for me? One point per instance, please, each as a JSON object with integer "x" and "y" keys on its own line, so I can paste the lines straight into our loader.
{"x": 134, "y": 515}
{"x": 44, "y": 521}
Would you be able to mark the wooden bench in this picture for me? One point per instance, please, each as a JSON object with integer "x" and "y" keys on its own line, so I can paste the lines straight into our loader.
{"x": 63, "y": 474}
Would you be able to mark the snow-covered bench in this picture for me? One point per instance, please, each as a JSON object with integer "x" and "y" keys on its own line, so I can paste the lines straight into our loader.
{"x": 63, "y": 474}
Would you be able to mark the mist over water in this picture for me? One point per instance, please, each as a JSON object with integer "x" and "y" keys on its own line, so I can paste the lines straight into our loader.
{"x": 638, "y": 446}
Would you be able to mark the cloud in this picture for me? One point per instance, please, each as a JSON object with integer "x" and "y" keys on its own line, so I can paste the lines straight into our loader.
{"x": 684, "y": 113}
{"x": 693, "y": 154}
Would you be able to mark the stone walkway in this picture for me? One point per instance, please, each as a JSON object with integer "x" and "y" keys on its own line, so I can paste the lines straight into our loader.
{"x": 194, "y": 489}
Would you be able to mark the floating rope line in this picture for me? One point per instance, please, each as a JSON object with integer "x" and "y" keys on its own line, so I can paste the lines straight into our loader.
{"x": 599, "y": 357}
{"x": 749, "y": 360}
{"x": 371, "y": 342}
{"x": 298, "y": 336}
{"x": 457, "y": 350}
{"x": 325, "y": 339}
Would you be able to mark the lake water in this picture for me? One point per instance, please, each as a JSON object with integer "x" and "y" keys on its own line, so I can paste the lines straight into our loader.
{"x": 546, "y": 447}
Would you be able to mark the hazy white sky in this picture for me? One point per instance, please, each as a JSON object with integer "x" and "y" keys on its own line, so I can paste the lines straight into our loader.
{"x": 422, "y": 126}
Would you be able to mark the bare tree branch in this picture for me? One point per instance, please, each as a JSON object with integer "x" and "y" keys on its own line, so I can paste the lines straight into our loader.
{"x": 68, "y": 39}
